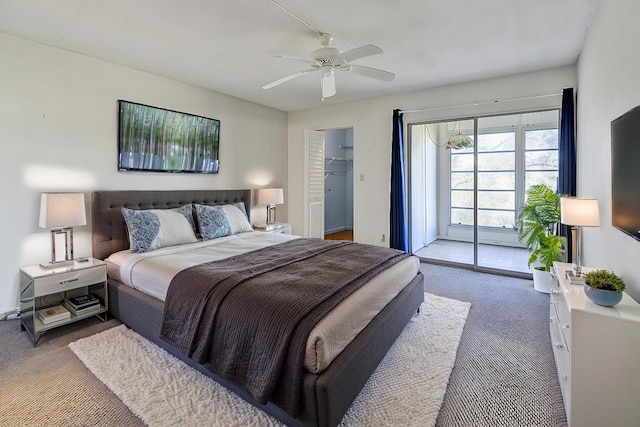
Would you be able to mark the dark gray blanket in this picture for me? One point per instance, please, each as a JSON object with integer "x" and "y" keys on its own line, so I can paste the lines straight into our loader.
{"x": 247, "y": 318}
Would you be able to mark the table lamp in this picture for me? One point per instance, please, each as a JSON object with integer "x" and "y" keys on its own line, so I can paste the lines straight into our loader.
{"x": 579, "y": 213}
{"x": 60, "y": 212}
{"x": 270, "y": 197}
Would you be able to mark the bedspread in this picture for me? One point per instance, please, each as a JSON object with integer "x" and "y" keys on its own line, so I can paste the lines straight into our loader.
{"x": 248, "y": 317}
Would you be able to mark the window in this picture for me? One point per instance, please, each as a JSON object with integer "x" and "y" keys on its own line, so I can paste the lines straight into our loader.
{"x": 541, "y": 157}
{"x": 496, "y": 181}
{"x": 514, "y": 152}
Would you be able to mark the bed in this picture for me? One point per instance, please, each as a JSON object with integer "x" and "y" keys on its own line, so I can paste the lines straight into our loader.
{"x": 325, "y": 394}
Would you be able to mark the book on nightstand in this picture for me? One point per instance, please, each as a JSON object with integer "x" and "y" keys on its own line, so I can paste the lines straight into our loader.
{"x": 82, "y": 304}
{"x": 53, "y": 314}
{"x": 84, "y": 309}
{"x": 83, "y": 301}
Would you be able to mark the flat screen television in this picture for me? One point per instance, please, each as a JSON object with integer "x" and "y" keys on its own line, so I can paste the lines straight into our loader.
{"x": 159, "y": 140}
{"x": 625, "y": 172}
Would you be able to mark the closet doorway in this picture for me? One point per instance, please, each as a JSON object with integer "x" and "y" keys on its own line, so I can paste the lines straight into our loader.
{"x": 338, "y": 184}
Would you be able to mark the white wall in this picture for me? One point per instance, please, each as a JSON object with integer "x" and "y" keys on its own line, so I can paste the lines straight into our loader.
{"x": 609, "y": 85}
{"x": 371, "y": 122}
{"x": 58, "y": 121}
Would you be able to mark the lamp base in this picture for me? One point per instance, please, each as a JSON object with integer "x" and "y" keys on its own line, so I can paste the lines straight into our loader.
{"x": 57, "y": 264}
{"x": 575, "y": 276}
{"x": 61, "y": 247}
{"x": 271, "y": 214}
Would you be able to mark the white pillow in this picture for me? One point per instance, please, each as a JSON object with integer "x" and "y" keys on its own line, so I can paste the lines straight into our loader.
{"x": 237, "y": 219}
{"x": 156, "y": 228}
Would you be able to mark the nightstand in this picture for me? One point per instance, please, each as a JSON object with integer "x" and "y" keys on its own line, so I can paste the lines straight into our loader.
{"x": 45, "y": 288}
{"x": 279, "y": 227}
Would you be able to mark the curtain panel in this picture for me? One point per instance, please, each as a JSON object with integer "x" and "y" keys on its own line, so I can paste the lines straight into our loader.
{"x": 567, "y": 160}
{"x": 398, "y": 229}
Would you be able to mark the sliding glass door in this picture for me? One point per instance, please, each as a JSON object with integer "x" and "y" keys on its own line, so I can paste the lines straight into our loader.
{"x": 442, "y": 218}
{"x": 468, "y": 179}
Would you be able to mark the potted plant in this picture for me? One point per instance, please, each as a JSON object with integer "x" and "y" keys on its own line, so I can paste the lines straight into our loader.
{"x": 538, "y": 220}
{"x": 604, "y": 287}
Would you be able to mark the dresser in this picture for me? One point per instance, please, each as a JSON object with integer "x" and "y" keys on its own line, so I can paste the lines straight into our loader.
{"x": 597, "y": 354}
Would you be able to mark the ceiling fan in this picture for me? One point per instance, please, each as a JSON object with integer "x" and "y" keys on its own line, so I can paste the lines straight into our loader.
{"x": 327, "y": 59}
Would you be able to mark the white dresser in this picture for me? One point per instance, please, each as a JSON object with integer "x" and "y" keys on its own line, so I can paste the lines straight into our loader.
{"x": 597, "y": 353}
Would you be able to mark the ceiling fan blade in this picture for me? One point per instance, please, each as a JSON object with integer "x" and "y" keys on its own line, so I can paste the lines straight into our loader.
{"x": 328, "y": 81}
{"x": 287, "y": 78}
{"x": 373, "y": 73}
{"x": 360, "y": 52}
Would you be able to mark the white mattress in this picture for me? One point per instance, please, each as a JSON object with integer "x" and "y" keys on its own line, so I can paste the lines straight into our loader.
{"x": 152, "y": 272}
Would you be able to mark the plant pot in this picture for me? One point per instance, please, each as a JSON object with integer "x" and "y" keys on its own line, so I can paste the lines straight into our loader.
{"x": 542, "y": 280}
{"x": 602, "y": 296}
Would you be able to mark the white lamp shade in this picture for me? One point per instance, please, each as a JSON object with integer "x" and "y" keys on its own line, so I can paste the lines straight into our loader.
{"x": 579, "y": 212}
{"x": 270, "y": 196}
{"x": 62, "y": 210}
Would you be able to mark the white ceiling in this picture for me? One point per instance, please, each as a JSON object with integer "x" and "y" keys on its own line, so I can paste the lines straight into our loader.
{"x": 229, "y": 46}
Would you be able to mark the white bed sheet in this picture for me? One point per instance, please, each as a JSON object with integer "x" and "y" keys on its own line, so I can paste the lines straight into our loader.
{"x": 152, "y": 272}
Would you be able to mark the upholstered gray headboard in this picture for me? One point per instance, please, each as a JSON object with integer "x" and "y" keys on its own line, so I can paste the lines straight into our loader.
{"x": 109, "y": 232}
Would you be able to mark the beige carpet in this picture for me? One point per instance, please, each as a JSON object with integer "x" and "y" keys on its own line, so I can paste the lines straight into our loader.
{"x": 67, "y": 395}
{"x": 407, "y": 388}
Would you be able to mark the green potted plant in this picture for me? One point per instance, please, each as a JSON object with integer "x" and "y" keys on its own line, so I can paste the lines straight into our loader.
{"x": 538, "y": 220}
{"x": 604, "y": 287}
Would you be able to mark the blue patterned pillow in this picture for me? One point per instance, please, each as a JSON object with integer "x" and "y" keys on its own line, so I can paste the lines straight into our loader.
{"x": 187, "y": 212}
{"x": 212, "y": 221}
{"x": 156, "y": 228}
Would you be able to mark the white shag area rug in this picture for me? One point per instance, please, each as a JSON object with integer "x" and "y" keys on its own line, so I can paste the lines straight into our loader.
{"x": 406, "y": 389}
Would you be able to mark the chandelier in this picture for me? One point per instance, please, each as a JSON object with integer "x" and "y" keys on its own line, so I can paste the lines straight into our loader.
{"x": 454, "y": 142}
{"x": 458, "y": 142}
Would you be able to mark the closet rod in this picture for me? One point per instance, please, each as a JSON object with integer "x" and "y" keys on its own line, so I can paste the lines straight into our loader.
{"x": 526, "y": 98}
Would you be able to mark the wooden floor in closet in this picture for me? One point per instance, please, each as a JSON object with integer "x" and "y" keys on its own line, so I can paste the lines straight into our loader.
{"x": 340, "y": 235}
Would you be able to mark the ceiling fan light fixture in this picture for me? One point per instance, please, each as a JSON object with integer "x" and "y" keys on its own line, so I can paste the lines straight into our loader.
{"x": 328, "y": 81}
